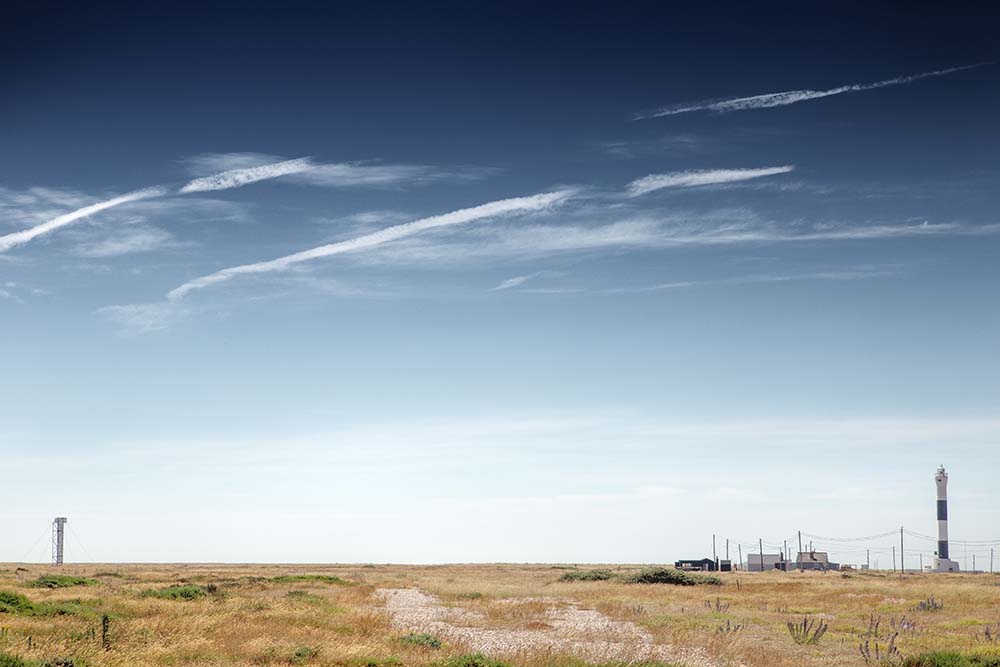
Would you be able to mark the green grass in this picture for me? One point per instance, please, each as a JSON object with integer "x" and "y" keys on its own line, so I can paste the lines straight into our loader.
{"x": 470, "y": 660}
{"x": 587, "y": 575}
{"x": 8, "y": 660}
{"x": 666, "y": 575}
{"x": 319, "y": 578}
{"x": 181, "y": 592}
{"x": 953, "y": 659}
{"x": 60, "y": 581}
{"x": 19, "y": 605}
{"x": 421, "y": 639}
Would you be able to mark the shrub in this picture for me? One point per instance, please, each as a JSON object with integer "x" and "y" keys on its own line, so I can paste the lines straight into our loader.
{"x": 666, "y": 575}
{"x": 470, "y": 660}
{"x": 185, "y": 592}
{"x": 321, "y": 578}
{"x": 15, "y": 603}
{"x": 586, "y": 575}
{"x": 61, "y": 581}
{"x": 421, "y": 639}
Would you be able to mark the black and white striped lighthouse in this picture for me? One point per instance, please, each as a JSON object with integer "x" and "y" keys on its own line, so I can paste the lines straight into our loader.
{"x": 942, "y": 562}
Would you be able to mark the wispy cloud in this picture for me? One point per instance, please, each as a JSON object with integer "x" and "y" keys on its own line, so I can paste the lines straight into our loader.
{"x": 696, "y": 177}
{"x": 133, "y": 239}
{"x": 142, "y": 317}
{"x": 13, "y": 239}
{"x": 840, "y": 276}
{"x": 235, "y": 178}
{"x": 337, "y": 174}
{"x": 787, "y": 97}
{"x": 517, "y": 281}
{"x": 489, "y": 210}
{"x": 646, "y": 231}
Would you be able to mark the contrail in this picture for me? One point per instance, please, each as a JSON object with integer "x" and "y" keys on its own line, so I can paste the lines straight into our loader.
{"x": 787, "y": 97}
{"x": 489, "y": 210}
{"x": 235, "y": 178}
{"x": 696, "y": 177}
{"x": 9, "y": 241}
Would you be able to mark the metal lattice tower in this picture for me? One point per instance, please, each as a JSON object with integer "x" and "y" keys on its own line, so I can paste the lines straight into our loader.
{"x": 58, "y": 540}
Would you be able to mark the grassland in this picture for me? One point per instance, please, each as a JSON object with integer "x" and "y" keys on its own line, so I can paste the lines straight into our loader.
{"x": 207, "y": 615}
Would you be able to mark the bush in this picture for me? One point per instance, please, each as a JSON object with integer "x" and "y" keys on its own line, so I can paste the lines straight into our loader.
{"x": 421, "y": 639}
{"x": 587, "y": 575}
{"x": 321, "y": 578}
{"x": 15, "y": 603}
{"x": 666, "y": 575}
{"x": 61, "y": 581}
{"x": 470, "y": 660}
{"x": 185, "y": 592}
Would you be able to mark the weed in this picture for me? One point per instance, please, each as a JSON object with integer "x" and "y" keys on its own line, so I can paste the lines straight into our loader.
{"x": 930, "y": 604}
{"x": 586, "y": 575}
{"x": 718, "y": 606}
{"x": 809, "y": 631}
{"x": 730, "y": 628}
{"x": 421, "y": 639}
{"x": 879, "y": 654}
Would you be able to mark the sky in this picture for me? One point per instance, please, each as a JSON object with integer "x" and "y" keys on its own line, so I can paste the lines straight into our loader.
{"x": 454, "y": 283}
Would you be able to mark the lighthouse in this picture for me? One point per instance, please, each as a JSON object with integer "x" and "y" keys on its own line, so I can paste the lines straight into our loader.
{"x": 942, "y": 562}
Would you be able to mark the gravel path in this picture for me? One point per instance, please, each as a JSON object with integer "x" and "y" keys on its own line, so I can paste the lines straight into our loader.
{"x": 580, "y": 632}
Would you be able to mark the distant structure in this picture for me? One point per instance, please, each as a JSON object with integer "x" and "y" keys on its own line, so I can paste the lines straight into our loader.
{"x": 942, "y": 561}
{"x": 58, "y": 530}
{"x": 698, "y": 565}
{"x": 763, "y": 562}
{"x": 816, "y": 560}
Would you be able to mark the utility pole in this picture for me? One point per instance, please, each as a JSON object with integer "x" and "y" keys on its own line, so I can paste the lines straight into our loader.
{"x": 784, "y": 552}
{"x": 893, "y": 558}
{"x": 902, "y": 568}
{"x": 740, "y": 548}
{"x": 868, "y": 558}
{"x": 760, "y": 541}
{"x": 973, "y": 562}
{"x": 727, "y": 548}
{"x": 715, "y": 558}
{"x": 799, "y": 558}
{"x": 991, "y": 560}
{"x": 921, "y": 561}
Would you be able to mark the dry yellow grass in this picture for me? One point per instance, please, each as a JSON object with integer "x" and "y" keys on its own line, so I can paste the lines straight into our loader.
{"x": 251, "y": 619}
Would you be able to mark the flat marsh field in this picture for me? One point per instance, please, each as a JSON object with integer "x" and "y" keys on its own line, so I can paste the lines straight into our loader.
{"x": 509, "y": 614}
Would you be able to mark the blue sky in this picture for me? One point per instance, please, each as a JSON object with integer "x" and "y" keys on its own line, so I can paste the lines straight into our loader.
{"x": 462, "y": 284}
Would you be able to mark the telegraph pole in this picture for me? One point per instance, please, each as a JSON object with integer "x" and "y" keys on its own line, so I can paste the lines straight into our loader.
{"x": 740, "y": 548}
{"x": 893, "y": 558}
{"x": 799, "y": 558}
{"x": 902, "y": 568}
{"x": 868, "y": 558}
{"x": 760, "y": 540}
{"x": 715, "y": 558}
